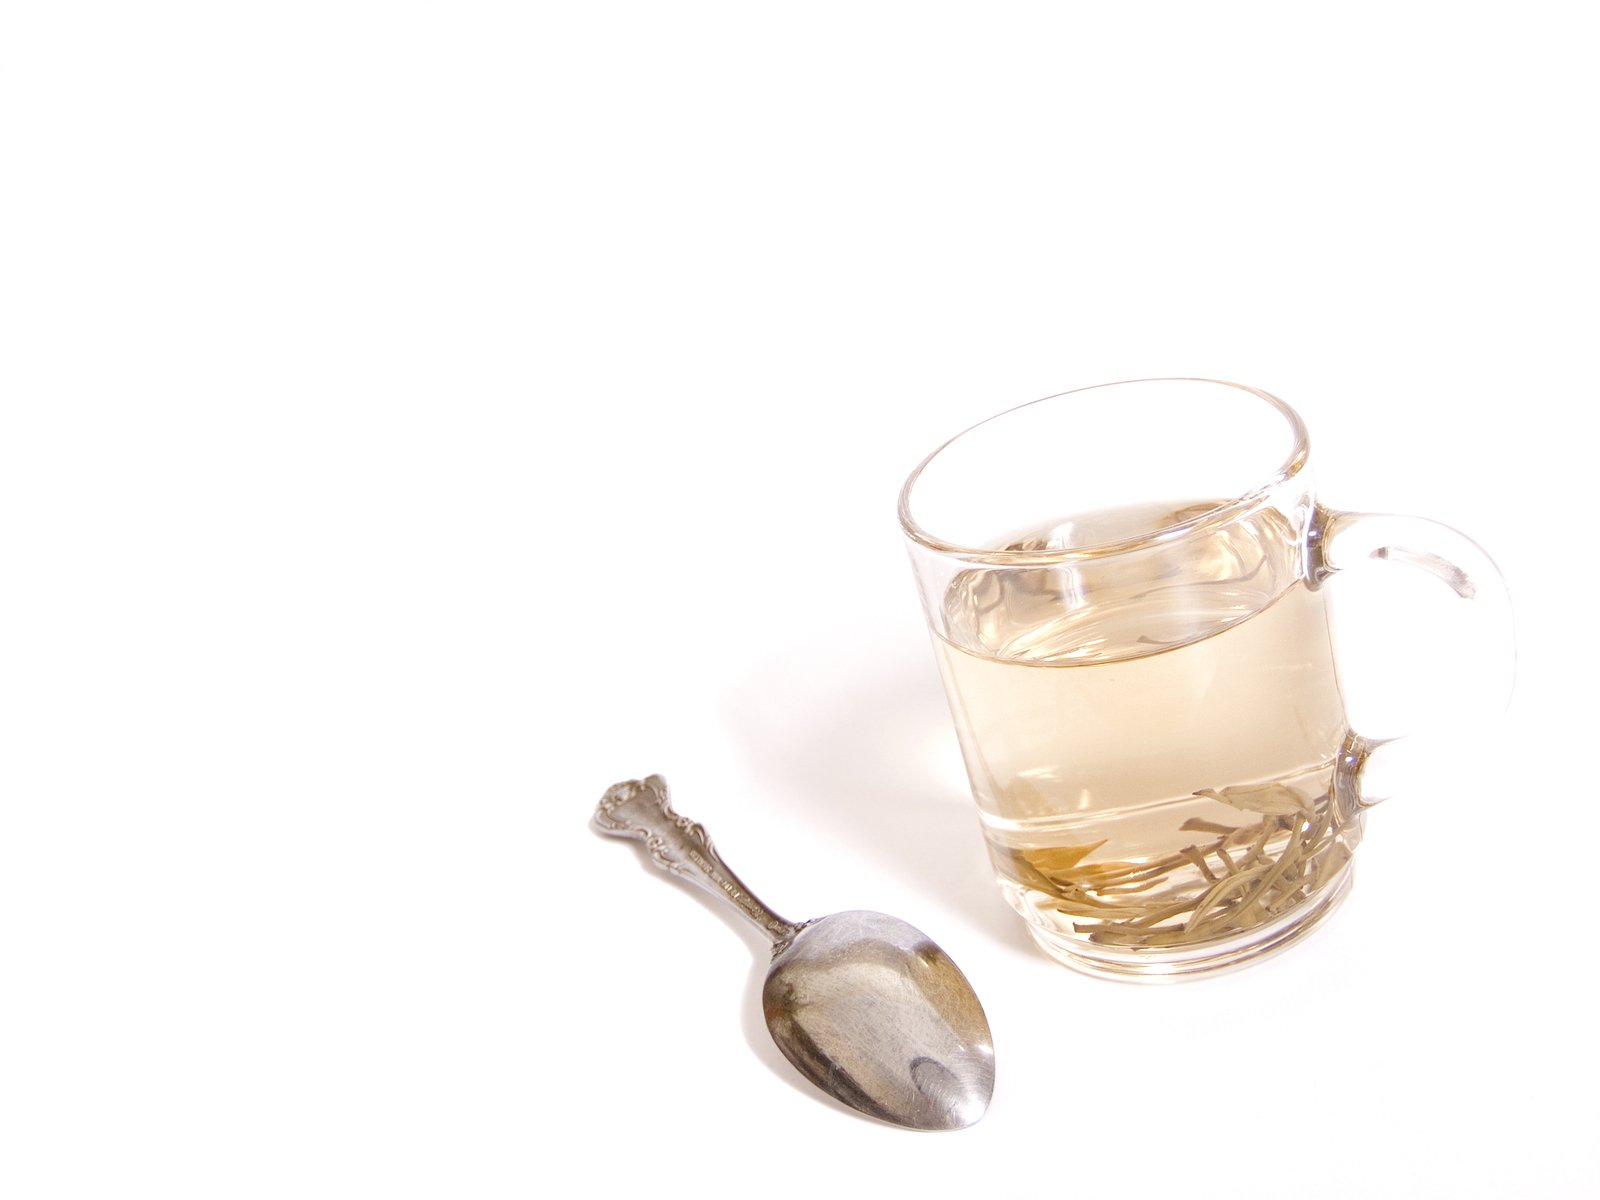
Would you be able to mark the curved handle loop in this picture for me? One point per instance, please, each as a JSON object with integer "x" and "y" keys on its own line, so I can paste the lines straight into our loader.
{"x": 1340, "y": 540}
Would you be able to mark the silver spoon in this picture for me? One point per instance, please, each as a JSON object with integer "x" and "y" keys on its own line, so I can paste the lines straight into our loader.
{"x": 864, "y": 1005}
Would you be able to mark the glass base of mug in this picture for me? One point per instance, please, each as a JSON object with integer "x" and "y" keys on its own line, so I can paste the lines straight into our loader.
{"x": 1170, "y": 963}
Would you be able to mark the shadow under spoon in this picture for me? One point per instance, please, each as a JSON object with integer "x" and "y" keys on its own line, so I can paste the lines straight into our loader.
{"x": 865, "y": 1006}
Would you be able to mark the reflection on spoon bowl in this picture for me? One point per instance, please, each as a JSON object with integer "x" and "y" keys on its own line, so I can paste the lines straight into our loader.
{"x": 873, "y": 1012}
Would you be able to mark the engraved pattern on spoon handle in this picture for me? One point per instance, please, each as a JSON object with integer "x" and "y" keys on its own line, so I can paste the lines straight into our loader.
{"x": 639, "y": 808}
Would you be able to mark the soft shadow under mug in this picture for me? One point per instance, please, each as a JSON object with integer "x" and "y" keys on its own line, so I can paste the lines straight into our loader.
{"x": 1127, "y": 587}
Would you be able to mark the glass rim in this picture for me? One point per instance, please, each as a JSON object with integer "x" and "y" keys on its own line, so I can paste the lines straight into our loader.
{"x": 1220, "y": 513}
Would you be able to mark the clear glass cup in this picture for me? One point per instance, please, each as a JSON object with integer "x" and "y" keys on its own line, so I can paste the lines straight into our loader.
{"x": 1126, "y": 586}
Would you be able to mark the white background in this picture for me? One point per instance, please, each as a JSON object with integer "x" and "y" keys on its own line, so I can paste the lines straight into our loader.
{"x": 419, "y": 417}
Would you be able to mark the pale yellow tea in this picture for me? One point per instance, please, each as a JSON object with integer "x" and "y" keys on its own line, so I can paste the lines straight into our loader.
{"x": 1153, "y": 750}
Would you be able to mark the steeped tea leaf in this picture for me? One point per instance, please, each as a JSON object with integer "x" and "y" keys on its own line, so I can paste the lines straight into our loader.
{"x": 1272, "y": 798}
{"x": 1055, "y": 859}
{"x": 1202, "y": 892}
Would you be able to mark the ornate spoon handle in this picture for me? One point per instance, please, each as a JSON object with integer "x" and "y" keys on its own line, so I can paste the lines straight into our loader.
{"x": 639, "y": 808}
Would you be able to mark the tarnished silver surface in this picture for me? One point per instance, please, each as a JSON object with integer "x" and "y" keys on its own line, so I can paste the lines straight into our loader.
{"x": 864, "y": 1005}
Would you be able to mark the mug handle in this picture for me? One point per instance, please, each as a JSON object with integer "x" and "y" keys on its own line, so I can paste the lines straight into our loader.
{"x": 1339, "y": 540}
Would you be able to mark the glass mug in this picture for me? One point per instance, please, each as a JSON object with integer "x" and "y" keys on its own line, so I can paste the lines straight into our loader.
{"x": 1126, "y": 590}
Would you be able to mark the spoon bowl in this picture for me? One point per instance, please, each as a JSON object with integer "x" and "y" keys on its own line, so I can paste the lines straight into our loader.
{"x": 873, "y": 1012}
{"x": 865, "y": 1006}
